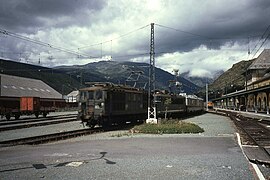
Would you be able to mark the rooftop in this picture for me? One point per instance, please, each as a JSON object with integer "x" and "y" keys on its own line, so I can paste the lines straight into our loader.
{"x": 14, "y": 86}
{"x": 73, "y": 93}
{"x": 262, "y": 61}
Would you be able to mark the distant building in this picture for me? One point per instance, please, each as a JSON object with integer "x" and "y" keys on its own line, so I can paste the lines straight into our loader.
{"x": 72, "y": 97}
{"x": 14, "y": 86}
{"x": 261, "y": 82}
{"x": 256, "y": 97}
{"x": 257, "y": 70}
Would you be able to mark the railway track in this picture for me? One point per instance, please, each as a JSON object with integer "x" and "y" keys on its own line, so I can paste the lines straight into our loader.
{"x": 255, "y": 135}
{"x": 49, "y": 137}
{"x": 258, "y": 134}
{"x": 5, "y": 126}
{"x": 46, "y": 138}
{"x": 31, "y": 119}
{"x": 44, "y": 123}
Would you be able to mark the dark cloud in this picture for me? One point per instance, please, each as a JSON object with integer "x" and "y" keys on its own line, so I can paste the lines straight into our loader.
{"x": 218, "y": 25}
{"x": 30, "y": 15}
{"x": 209, "y": 25}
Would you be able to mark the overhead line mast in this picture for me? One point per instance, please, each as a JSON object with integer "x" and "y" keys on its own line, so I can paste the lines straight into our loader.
{"x": 151, "y": 87}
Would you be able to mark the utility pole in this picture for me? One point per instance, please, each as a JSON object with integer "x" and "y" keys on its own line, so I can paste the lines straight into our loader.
{"x": 81, "y": 80}
{"x": 206, "y": 96}
{"x": 151, "y": 87}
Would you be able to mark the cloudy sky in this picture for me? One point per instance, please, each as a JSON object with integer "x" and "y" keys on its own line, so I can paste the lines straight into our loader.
{"x": 198, "y": 36}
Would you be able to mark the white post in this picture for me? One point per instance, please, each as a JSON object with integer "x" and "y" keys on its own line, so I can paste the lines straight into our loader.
{"x": 152, "y": 119}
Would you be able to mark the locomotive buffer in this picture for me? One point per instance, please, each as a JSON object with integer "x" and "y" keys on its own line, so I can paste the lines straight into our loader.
{"x": 151, "y": 87}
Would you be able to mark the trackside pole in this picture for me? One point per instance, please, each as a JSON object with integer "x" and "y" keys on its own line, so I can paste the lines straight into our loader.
{"x": 151, "y": 87}
{"x": 152, "y": 119}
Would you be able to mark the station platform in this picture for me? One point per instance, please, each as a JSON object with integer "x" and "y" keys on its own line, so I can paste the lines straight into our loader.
{"x": 258, "y": 115}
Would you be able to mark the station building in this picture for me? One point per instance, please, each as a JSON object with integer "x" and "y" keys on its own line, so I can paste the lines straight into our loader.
{"x": 72, "y": 97}
{"x": 14, "y": 86}
{"x": 256, "y": 95}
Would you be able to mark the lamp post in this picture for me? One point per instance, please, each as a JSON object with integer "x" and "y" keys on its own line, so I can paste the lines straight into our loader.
{"x": 62, "y": 90}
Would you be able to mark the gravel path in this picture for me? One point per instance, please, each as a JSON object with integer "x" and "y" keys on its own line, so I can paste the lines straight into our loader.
{"x": 213, "y": 125}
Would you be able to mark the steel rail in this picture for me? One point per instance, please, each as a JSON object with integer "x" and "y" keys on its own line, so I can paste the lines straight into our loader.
{"x": 34, "y": 124}
{"x": 21, "y": 121}
{"x": 49, "y": 137}
{"x": 258, "y": 134}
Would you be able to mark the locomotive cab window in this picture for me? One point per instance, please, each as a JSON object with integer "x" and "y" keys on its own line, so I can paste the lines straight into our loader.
{"x": 98, "y": 95}
{"x": 83, "y": 95}
{"x": 157, "y": 99}
{"x": 177, "y": 101}
{"x": 91, "y": 95}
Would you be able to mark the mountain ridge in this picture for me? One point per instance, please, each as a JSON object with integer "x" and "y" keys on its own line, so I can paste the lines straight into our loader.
{"x": 64, "y": 79}
{"x": 118, "y": 72}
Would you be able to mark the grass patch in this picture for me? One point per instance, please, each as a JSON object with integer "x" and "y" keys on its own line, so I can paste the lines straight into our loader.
{"x": 168, "y": 127}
